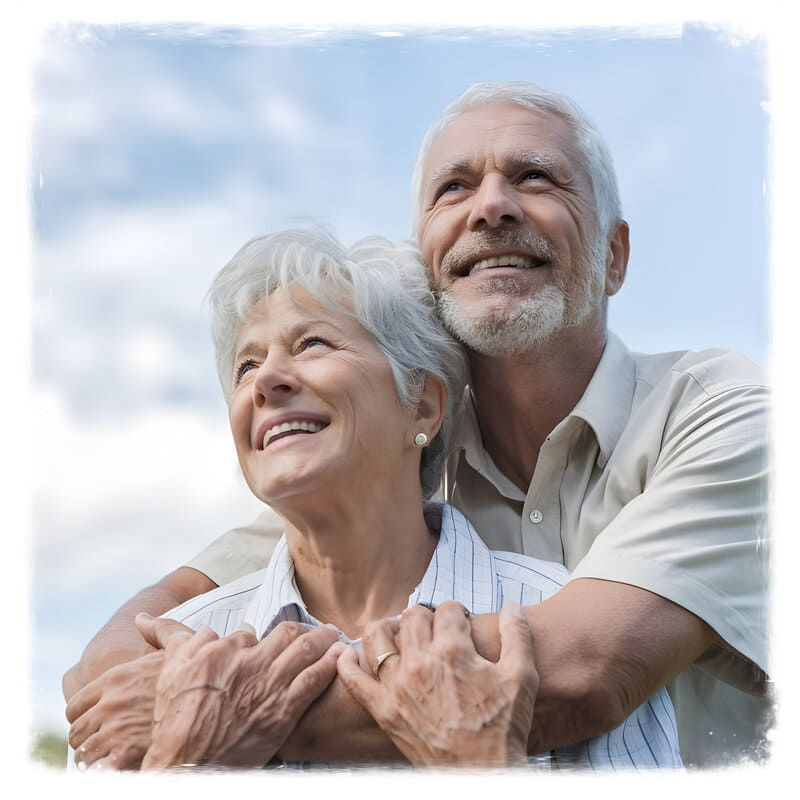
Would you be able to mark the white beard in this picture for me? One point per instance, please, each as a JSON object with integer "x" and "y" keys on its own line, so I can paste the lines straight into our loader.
{"x": 511, "y": 328}
{"x": 533, "y": 320}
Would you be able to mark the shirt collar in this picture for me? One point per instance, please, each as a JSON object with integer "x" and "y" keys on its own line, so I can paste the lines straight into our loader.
{"x": 277, "y": 592}
{"x": 460, "y": 569}
{"x": 606, "y": 403}
{"x": 605, "y": 406}
{"x": 467, "y": 438}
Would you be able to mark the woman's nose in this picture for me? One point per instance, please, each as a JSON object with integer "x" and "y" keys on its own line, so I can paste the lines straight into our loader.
{"x": 275, "y": 380}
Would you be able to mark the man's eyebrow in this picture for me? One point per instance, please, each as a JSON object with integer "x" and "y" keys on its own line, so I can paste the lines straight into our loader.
{"x": 451, "y": 168}
{"x": 520, "y": 159}
{"x": 513, "y": 161}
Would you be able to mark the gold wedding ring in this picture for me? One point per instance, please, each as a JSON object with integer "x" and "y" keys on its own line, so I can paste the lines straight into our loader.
{"x": 381, "y": 658}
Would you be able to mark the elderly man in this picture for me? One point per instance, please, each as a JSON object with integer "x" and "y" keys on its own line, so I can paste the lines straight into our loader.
{"x": 644, "y": 474}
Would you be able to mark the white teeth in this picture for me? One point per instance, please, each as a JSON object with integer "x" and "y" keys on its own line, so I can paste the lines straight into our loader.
{"x": 294, "y": 425}
{"x": 504, "y": 261}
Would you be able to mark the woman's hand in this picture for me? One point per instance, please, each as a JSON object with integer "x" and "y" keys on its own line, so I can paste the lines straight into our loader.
{"x": 440, "y": 702}
{"x": 234, "y": 701}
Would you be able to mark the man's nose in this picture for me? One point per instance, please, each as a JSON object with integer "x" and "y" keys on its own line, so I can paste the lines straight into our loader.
{"x": 494, "y": 204}
{"x": 275, "y": 380}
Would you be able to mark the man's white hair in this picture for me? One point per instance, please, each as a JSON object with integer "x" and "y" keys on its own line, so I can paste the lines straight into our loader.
{"x": 594, "y": 151}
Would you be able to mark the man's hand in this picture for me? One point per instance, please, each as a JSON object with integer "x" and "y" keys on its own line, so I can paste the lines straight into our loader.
{"x": 233, "y": 701}
{"x": 439, "y": 701}
{"x": 117, "y": 641}
{"x": 112, "y": 716}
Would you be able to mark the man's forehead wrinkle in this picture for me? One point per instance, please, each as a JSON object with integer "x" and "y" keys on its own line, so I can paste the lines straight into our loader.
{"x": 513, "y": 160}
{"x": 451, "y": 168}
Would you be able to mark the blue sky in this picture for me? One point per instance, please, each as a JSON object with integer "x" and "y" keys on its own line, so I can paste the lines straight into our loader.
{"x": 156, "y": 152}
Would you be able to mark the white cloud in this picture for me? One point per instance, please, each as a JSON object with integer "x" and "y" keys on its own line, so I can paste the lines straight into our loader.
{"x": 138, "y": 496}
{"x": 287, "y": 119}
{"x": 168, "y": 242}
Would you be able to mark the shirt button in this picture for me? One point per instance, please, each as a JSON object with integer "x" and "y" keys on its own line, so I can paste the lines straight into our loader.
{"x": 535, "y": 516}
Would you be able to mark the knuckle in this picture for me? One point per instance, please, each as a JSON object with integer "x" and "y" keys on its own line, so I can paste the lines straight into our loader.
{"x": 288, "y": 631}
{"x": 416, "y": 672}
{"x": 450, "y": 607}
{"x": 452, "y": 651}
{"x": 414, "y": 616}
{"x": 417, "y": 612}
{"x": 307, "y": 645}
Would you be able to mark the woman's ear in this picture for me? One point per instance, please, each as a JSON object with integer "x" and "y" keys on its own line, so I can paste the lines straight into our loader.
{"x": 430, "y": 410}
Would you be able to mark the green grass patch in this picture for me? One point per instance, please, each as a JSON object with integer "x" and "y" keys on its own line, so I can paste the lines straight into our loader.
{"x": 49, "y": 749}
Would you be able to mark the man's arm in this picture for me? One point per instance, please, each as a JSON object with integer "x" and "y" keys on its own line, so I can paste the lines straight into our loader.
{"x": 118, "y": 640}
{"x": 601, "y": 649}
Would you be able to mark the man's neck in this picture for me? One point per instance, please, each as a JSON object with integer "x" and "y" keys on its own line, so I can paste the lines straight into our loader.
{"x": 520, "y": 399}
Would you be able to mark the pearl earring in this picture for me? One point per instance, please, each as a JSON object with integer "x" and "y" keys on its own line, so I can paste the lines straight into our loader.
{"x": 420, "y": 440}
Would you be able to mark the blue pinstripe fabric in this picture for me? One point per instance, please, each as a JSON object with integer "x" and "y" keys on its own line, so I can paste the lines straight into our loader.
{"x": 462, "y": 569}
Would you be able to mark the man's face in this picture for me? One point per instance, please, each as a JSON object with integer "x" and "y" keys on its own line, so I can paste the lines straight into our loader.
{"x": 508, "y": 229}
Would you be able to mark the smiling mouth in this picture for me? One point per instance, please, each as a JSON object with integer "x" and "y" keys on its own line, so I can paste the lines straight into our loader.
{"x": 507, "y": 261}
{"x": 294, "y": 428}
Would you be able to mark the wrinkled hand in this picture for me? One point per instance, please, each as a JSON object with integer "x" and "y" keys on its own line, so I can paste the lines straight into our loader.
{"x": 438, "y": 700}
{"x": 111, "y": 717}
{"x": 233, "y": 701}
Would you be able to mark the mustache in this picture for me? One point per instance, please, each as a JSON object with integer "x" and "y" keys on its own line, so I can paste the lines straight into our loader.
{"x": 463, "y": 254}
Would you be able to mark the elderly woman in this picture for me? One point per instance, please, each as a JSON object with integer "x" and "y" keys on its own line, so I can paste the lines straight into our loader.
{"x": 342, "y": 390}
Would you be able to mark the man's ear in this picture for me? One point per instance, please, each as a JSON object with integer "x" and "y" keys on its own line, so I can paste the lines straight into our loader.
{"x": 617, "y": 258}
{"x": 431, "y": 408}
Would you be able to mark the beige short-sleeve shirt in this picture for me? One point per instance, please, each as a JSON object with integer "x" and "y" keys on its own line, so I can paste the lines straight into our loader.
{"x": 658, "y": 479}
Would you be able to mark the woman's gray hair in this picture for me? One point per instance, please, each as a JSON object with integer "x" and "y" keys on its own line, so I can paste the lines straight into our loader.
{"x": 380, "y": 283}
{"x": 595, "y": 152}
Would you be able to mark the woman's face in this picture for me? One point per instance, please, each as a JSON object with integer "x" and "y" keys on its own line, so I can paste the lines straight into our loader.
{"x": 314, "y": 407}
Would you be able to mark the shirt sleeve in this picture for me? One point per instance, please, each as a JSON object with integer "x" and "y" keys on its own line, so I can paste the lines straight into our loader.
{"x": 697, "y": 533}
{"x": 240, "y": 551}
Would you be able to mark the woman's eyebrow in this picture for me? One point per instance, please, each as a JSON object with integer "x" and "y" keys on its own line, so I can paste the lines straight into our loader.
{"x": 248, "y": 348}
{"x": 288, "y": 333}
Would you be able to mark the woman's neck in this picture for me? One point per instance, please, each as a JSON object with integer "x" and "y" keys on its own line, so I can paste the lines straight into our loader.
{"x": 359, "y": 561}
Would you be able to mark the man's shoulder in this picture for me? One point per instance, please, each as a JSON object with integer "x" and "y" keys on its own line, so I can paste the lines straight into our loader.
{"x": 709, "y": 372}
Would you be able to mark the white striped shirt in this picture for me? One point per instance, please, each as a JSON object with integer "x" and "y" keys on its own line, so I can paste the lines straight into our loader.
{"x": 464, "y": 569}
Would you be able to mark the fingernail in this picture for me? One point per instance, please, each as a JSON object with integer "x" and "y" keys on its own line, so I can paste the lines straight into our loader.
{"x": 143, "y": 615}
